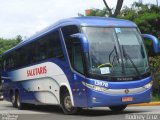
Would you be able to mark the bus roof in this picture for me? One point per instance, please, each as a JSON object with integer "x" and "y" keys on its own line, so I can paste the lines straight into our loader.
{"x": 80, "y": 21}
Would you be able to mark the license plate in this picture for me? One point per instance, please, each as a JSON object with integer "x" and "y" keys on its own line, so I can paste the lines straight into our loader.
{"x": 127, "y": 99}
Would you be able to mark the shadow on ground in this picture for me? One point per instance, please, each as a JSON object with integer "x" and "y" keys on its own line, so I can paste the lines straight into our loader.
{"x": 91, "y": 112}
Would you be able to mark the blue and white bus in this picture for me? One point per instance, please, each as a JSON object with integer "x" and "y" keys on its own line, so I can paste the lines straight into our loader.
{"x": 79, "y": 63}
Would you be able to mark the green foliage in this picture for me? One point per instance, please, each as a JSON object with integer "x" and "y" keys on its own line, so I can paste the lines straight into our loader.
{"x": 6, "y": 44}
{"x": 19, "y": 38}
{"x": 156, "y": 97}
{"x": 146, "y": 16}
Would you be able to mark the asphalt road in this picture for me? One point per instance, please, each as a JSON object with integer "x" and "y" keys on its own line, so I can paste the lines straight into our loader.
{"x": 55, "y": 113}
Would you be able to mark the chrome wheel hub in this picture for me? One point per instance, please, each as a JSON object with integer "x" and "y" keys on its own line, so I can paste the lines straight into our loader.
{"x": 68, "y": 103}
{"x": 18, "y": 102}
{"x": 13, "y": 99}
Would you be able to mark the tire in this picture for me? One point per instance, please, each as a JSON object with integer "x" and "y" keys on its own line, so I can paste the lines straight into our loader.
{"x": 66, "y": 105}
{"x": 19, "y": 105}
{"x": 118, "y": 108}
{"x": 13, "y": 100}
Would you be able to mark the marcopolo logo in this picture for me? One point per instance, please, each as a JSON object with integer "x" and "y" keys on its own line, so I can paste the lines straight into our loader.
{"x": 101, "y": 83}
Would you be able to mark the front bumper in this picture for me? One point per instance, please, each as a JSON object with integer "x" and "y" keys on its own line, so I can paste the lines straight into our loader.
{"x": 99, "y": 99}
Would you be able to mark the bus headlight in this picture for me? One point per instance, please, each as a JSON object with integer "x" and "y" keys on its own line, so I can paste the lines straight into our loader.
{"x": 100, "y": 89}
{"x": 149, "y": 85}
{"x": 95, "y": 87}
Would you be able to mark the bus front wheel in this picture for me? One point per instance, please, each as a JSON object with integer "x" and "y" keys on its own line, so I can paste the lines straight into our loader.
{"x": 118, "y": 108}
{"x": 66, "y": 105}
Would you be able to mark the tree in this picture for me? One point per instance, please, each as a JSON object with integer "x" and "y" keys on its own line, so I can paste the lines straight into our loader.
{"x": 157, "y": 3}
{"x": 19, "y": 38}
{"x": 105, "y": 11}
{"x": 117, "y": 10}
{"x": 6, "y": 44}
{"x": 146, "y": 16}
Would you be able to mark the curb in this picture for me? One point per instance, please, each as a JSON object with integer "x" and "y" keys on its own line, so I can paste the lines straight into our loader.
{"x": 147, "y": 104}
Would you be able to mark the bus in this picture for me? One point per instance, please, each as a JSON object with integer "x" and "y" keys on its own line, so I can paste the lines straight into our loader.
{"x": 80, "y": 62}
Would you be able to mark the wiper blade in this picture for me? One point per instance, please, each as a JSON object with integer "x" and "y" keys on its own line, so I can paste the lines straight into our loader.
{"x": 126, "y": 56}
{"x": 117, "y": 57}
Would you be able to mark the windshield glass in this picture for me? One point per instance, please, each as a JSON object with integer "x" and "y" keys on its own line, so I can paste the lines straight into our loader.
{"x": 116, "y": 51}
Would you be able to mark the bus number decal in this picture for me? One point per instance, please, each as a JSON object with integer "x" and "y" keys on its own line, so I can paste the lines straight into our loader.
{"x": 100, "y": 83}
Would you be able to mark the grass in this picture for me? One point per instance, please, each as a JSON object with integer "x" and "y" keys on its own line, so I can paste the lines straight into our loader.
{"x": 156, "y": 97}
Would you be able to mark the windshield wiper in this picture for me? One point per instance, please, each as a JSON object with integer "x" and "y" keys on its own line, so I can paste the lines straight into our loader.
{"x": 116, "y": 56}
{"x": 126, "y": 56}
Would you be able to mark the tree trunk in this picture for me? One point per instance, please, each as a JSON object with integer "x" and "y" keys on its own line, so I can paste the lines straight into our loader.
{"x": 118, "y": 7}
{"x": 117, "y": 10}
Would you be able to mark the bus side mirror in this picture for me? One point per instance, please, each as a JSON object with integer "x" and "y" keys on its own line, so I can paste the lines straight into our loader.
{"x": 83, "y": 40}
{"x": 154, "y": 42}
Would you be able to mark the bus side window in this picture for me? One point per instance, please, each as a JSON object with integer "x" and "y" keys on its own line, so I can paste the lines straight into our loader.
{"x": 67, "y": 31}
{"x": 15, "y": 57}
{"x": 51, "y": 53}
{"x": 11, "y": 62}
{"x": 32, "y": 54}
{"x": 74, "y": 49}
{"x": 7, "y": 63}
{"x": 54, "y": 46}
{"x": 4, "y": 65}
{"x": 58, "y": 46}
{"x": 77, "y": 57}
{"x": 42, "y": 48}
{"x": 26, "y": 56}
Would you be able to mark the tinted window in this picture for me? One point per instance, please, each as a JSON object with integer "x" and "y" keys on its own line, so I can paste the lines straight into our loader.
{"x": 77, "y": 57}
{"x": 42, "y": 47}
{"x": 46, "y": 47}
{"x": 73, "y": 48}
{"x": 55, "y": 39}
{"x": 67, "y": 31}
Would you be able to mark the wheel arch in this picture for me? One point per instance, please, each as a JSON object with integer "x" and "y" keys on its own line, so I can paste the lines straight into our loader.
{"x": 65, "y": 88}
{"x": 16, "y": 91}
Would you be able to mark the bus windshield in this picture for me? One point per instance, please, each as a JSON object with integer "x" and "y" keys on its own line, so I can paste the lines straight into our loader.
{"x": 116, "y": 52}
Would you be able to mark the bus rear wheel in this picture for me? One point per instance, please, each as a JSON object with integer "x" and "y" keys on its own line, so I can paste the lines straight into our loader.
{"x": 66, "y": 105}
{"x": 118, "y": 108}
{"x": 19, "y": 105}
{"x": 13, "y": 100}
